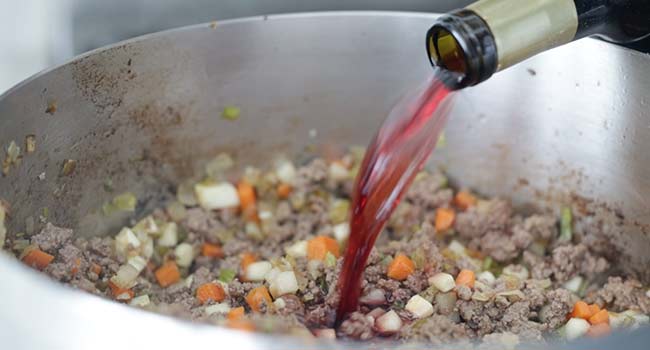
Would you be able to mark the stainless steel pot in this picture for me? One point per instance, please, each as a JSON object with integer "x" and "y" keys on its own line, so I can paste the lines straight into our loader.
{"x": 569, "y": 126}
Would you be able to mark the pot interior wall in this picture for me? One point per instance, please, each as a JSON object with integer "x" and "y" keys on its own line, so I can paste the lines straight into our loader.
{"x": 567, "y": 127}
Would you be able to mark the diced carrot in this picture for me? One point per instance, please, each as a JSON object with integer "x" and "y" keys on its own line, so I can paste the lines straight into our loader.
{"x": 593, "y": 309}
{"x": 473, "y": 253}
{"x": 125, "y": 294}
{"x": 599, "y": 330}
{"x": 250, "y": 214}
{"x": 236, "y": 313}
{"x": 247, "y": 259}
{"x": 466, "y": 278}
{"x": 38, "y": 259}
{"x": 581, "y": 310}
{"x": 246, "y": 195}
{"x": 318, "y": 247}
{"x": 444, "y": 219}
{"x": 210, "y": 291}
{"x": 211, "y": 250}
{"x": 464, "y": 200}
{"x": 75, "y": 268}
{"x": 96, "y": 269}
{"x": 284, "y": 190}
{"x": 257, "y": 296}
{"x": 242, "y": 325}
{"x": 601, "y": 316}
{"x": 400, "y": 268}
{"x": 168, "y": 274}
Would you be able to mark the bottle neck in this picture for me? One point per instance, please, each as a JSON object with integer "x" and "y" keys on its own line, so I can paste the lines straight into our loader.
{"x": 491, "y": 35}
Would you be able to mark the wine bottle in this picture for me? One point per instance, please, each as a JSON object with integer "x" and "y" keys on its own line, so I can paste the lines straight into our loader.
{"x": 488, "y": 36}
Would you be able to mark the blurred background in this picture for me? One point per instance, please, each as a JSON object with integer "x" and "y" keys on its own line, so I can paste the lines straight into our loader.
{"x": 37, "y": 34}
{"x": 41, "y": 33}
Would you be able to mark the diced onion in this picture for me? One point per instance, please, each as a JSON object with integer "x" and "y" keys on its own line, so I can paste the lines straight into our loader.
{"x": 327, "y": 333}
{"x": 446, "y": 302}
{"x": 125, "y": 276}
{"x": 217, "y": 167}
{"x": 337, "y": 172}
{"x": 487, "y": 277}
{"x": 137, "y": 262}
{"x": 253, "y": 231}
{"x": 576, "y": 328}
{"x": 419, "y": 307}
{"x": 216, "y": 195}
{"x": 341, "y": 232}
{"x": 220, "y": 308}
{"x": 285, "y": 171}
{"x": 272, "y": 274}
{"x": 457, "y": 247}
{"x": 169, "y": 236}
{"x": 284, "y": 283}
{"x": 184, "y": 254}
{"x": 256, "y": 271}
{"x": 512, "y": 295}
{"x": 140, "y": 301}
{"x": 573, "y": 284}
{"x": 279, "y": 303}
{"x": 297, "y": 250}
{"x": 148, "y": 226}
{"x": 444, "y": 282}
{"x": 185, "y": 194}
{"x": 376, "y": 312}
{"x": 519, "y": 271}
{"x": 374, "y": 297}
{"x": 125, "y": 241}
{"x": 388, "y": 323}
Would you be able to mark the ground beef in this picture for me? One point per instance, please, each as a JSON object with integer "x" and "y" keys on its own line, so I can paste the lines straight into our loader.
{"x": 499, "y": 245}
{"x": 493, "y": 215}
{"x": 568, "y": 261}
{"x": 435, "y": 329}
{"x": 293, "y": 306}
{"x": 489, "y": 228}
{"x": 69, "y": 262}
{"x": 201, "y": 221}
{"x": 541, "y": 227}
{"x": 620, "y": 295}
{"x": 560, "y": 303}
{"x": 52, "y": 238}
{"x": 357, "y": 326}
{"x": 320, "y": 316}
{"x": 416, "y": 282}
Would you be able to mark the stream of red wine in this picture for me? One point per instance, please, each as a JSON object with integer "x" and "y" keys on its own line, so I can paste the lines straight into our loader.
{"x": 393, "y": 158}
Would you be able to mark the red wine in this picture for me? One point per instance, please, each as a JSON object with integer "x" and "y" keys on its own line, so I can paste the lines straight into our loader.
{"x": 395, "y": 155}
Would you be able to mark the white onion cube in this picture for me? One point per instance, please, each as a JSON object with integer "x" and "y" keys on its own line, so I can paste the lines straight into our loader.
{"x": 256, "y": 271}
{"x": 419, "y": 307}
{"x": 297, "y": 250}
{"x": 284, "y": 283}
{"x": 125, "y": 241}
{"x": 216, "y": 195}
{"x": 138, "y": 263}
{"x": 184, "y": 254}
{"x": 285, "y": 171}
{"x": 141, "y": 301}
{"x": 443, "y": 282}
{"x": 279, "y": 303}
{"x": 337, "y": 172}
{"x": 576, "y": 328}
{"x": 388, "y": 323}
{"x": 169, "y": 236}
{"x": 341, "y": 232}
{"x": 573, "y": 284}
{"x": 486, "y": 277}
{"x": 220, "y": 308}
